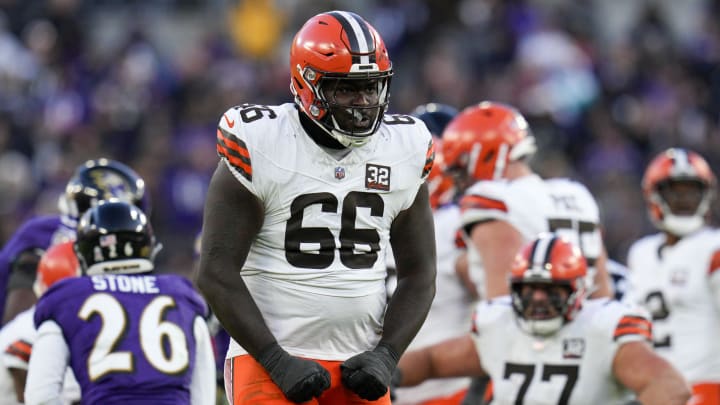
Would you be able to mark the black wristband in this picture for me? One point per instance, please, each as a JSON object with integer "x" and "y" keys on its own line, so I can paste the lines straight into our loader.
{"x": 270, "y": 356}
{"x": 388, "y": 350}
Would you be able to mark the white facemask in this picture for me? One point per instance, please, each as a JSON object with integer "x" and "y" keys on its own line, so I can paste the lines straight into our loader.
{"x": 682, "y": 225}
{"x": 542, "y": 327}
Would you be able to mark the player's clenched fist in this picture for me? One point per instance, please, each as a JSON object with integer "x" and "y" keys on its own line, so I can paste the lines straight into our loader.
{"x": 368, "y": 374}
{"x": 299, "y": 379}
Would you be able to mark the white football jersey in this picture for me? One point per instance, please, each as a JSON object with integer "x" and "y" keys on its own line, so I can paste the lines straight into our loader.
{"x": 674, "y": 284}
{"x": 525, "y": 203}
{"x": 571, "y": 367}
{"x": 450, "y": 314}
{"x": 317, "y": 267}
{"x": 533, "y": 205}
{"x": 16, "y": 340}
{"x": 576, "y": 216}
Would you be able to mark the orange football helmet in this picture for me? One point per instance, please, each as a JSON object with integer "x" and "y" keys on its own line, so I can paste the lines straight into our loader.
{"x": 554, "y": 261}
{"x": 58, "y": 262}
{"x": 484, "y": 138}
{"x": 332, "y": 47}
{"x": 669, "y": 167}
{"x": 440, "y": 185}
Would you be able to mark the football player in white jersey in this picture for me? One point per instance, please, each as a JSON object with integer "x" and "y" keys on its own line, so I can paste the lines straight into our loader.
{"x": 674, "y": 273}
{"x": 547, "y": 344}
{"x": 304, "y": 202}
{"x": 489, "y": 144}
{"x": 18, "y": 336}
{"x": 451, "y": 310}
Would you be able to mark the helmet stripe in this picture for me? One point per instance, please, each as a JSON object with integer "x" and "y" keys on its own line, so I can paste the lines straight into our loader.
{"x": 361, "y": 41}
{"x": 542, "y": 249}
{"x": 681, "y": 162}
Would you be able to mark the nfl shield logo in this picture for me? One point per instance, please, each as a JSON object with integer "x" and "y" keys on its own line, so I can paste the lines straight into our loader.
{"x": 339, "y": 173}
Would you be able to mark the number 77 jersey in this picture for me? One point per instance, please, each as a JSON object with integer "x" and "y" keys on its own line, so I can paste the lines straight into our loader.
{"x": 131, "y": 338}
{"x": 571, "y": 367}
{"x": 327, "y": 222}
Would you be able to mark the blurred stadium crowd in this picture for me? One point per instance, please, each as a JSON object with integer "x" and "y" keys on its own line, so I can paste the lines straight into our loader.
{"x": 605, "y": 84}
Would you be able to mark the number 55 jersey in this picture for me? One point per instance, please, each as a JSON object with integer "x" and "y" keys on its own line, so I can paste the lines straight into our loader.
{"x": 317, "y": 267}
{"x": 129, "y": 339}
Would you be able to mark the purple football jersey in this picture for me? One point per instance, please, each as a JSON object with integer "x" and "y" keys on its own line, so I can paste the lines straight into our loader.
{"x": 36, "y": 233}
{"x": 130, "y": 336}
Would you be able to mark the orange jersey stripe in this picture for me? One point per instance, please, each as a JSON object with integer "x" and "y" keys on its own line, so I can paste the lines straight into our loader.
{"x": 231, "y": 142}
{"x": 20, "y": 349}
{"x": 633, "y": 325}
{"x": 476, "y": 201}
{"x": 237, "y": 163}
{"x": 714, "y": 262}
{"x": 459, "y": 240}
{"x": 235, "y": 151}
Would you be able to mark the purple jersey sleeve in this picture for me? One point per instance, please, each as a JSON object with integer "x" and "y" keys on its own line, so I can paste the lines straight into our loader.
{"x": 36, "y": 233}
{"x": 138, "y": 329}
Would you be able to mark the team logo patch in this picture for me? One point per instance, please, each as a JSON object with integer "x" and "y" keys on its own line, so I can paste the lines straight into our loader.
{"x": 573, "y": 348}
{"x": 339, "y": 173}
{"x": 377, "y": 177}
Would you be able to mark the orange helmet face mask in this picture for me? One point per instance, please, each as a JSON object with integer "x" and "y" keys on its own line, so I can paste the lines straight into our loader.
{"x": 484, "y": 138}
{"x": 333, "y": 50}
{"x": 676, "y": 165}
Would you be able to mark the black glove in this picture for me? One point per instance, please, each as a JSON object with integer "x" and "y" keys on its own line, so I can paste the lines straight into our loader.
{"x": 299, "y": 379}
{"x": 368, "y": 374}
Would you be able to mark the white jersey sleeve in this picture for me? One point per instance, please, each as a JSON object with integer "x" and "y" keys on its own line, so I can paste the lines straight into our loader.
{"x": 48, "y": 364}
{"x": 202, "y": 384}
{"x": 17, "y": 338}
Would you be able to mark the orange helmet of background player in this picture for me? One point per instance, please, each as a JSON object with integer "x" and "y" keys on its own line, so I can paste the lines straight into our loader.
{"x": 440, "y": 185}
{"x": 338, "y": 45}
{"x": 555, "y": 261}
{"x": 677, "y": 164}
{"x": 484, "y": 138}
{"x": 58, "y": 262}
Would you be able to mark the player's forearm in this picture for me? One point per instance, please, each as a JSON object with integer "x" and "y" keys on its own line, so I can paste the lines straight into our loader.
{"x": 233, "y": 305}
{"x": 408, "y": 309}
{"x": 232, "y": 219}
{"x": 413, "y": 241}
{"x": 668, "y": 388}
